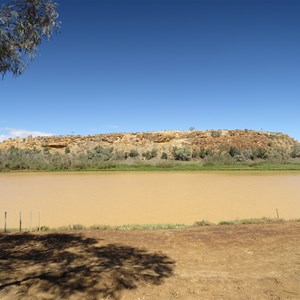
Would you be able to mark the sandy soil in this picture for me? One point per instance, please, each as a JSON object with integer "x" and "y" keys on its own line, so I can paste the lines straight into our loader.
{"x": 216, "y": 262}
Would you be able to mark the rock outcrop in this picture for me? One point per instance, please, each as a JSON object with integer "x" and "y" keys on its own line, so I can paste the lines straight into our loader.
{"x": 163, "y": 141}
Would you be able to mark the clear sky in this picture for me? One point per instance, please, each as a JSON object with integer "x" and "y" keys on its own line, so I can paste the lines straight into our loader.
{"x": 149, "y": 65}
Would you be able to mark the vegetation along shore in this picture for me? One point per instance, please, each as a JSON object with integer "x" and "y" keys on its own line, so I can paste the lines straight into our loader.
{"x": 165, "y": 150}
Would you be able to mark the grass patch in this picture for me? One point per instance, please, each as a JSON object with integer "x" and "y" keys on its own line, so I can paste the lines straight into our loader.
{"x": 150, "y": 226}
{"x": 178, "y": 166}
{"x": 226, "y": 223}
{"x": 44, "y": 228}
{"x": 78, "y": 227}
{"x": 100, "y": 227}
{"x": 263, "y": 220}
{"x": 202, "y": 223}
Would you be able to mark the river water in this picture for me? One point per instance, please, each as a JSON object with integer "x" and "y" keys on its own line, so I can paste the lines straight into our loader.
{"x": 55, "y": 199}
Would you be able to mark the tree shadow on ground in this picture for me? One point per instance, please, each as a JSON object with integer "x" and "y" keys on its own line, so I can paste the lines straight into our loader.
{"x": 60, "y": 266}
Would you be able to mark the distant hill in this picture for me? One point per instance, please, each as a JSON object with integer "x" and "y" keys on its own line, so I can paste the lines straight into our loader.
{"x": 162, "y": 141}
{"x": 210, "y": 145}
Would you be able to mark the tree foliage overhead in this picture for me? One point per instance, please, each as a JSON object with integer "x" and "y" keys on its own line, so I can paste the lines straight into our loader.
{"x": 23, "y": 25}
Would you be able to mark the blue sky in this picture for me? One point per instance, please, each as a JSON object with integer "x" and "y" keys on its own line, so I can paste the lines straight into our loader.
{"x": 149, "y": 65}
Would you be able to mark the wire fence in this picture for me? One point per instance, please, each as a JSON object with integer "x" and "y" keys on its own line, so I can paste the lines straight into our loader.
{"x": 31, "y": 220}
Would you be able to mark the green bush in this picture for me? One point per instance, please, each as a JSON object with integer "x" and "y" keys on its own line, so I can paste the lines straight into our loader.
{"x": 133, "y": 153}
{"x": 204, "y": 152}
{"x": 67, "y": 150}
{"x": 164, "y": 155}
{"x": 100, "y": 153}
{"x": 259, "y": 153}
{"x": 183, "y": 154}
{"x": 246, "y": 155}
{"x": 277, "y": 154}
{"x": 234, "y": 151}
{"x": 150, "y": 154}
{"x": 220, "y": 158}
{"x": 295, "y": 151}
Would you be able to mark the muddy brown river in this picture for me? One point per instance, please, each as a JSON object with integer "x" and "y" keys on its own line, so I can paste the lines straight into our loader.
{"x": 56, "y": 199}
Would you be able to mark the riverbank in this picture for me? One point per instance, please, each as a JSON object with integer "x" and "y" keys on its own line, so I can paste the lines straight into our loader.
{"x": 148, "y": 227}
{"x": 254, "y": 261}
{"x": 164, "y": 166}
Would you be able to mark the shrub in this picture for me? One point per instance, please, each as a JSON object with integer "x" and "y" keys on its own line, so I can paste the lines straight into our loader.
{"x": 201, "y": 153}
{"x": 259, "y": 153}
{"x": 233, "y": 151}
{"x": 164, "y": 155}
{"x": 150, "y": 154}
{"x": 295, "y": 152}
{"x": 202, "y": 223}
{"x": 119, "y": 155}
{"x": 247, "y": 155}
{"x": 215, "y": 133}
{"x": 183, "y": 154}
{"x": 204, "y": 152}
{"x": 277, "y": 154}
{"x": 100, "y": 153}
{"x": 220, "y": 158}
{"x": 195, "y": 154}
{"x": 67, "y": 150}
{"x": 133, "y": 153}
{"x": 78, "y": 227}
{"x": 44, "y": 228}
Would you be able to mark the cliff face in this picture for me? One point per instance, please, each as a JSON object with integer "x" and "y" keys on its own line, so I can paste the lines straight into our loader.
{"x": 163, "y": 141}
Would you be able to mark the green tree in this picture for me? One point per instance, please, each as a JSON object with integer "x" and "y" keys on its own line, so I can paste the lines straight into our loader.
{"x": 23, "y": 25}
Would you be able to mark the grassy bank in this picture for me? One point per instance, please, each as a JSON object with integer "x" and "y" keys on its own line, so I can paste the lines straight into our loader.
{"x": 263, "y": 220}
{"x": 211, "y": 166}
{"x": 175, "y": 166}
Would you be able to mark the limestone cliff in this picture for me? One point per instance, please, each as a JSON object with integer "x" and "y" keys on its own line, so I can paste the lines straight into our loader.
{"x": 163, "y": 141}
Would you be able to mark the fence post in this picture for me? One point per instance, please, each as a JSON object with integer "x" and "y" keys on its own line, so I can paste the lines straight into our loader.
{"x": 30, "y": 221}
{"x": 5, "y": 217}
{"x": 39, "y": 228}
{"x": 20, "y": 224}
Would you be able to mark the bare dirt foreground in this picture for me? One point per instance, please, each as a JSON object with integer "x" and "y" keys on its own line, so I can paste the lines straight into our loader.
{"x": 217, "y": 262}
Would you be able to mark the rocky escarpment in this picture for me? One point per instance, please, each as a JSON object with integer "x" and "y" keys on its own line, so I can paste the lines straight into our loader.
{"x": 163, "y": 141}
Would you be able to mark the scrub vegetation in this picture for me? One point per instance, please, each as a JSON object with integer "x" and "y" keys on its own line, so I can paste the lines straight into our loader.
{"x": 101, "y": 158}
{"x": 130, "y": 227}
{"x": 194, "y": 150}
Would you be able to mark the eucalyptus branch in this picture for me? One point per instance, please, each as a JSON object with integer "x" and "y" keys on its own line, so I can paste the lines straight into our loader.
{"x": 23, "y": 26}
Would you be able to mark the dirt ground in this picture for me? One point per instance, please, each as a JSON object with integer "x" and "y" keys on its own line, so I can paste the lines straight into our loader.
{"x": 260, "y": 261}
